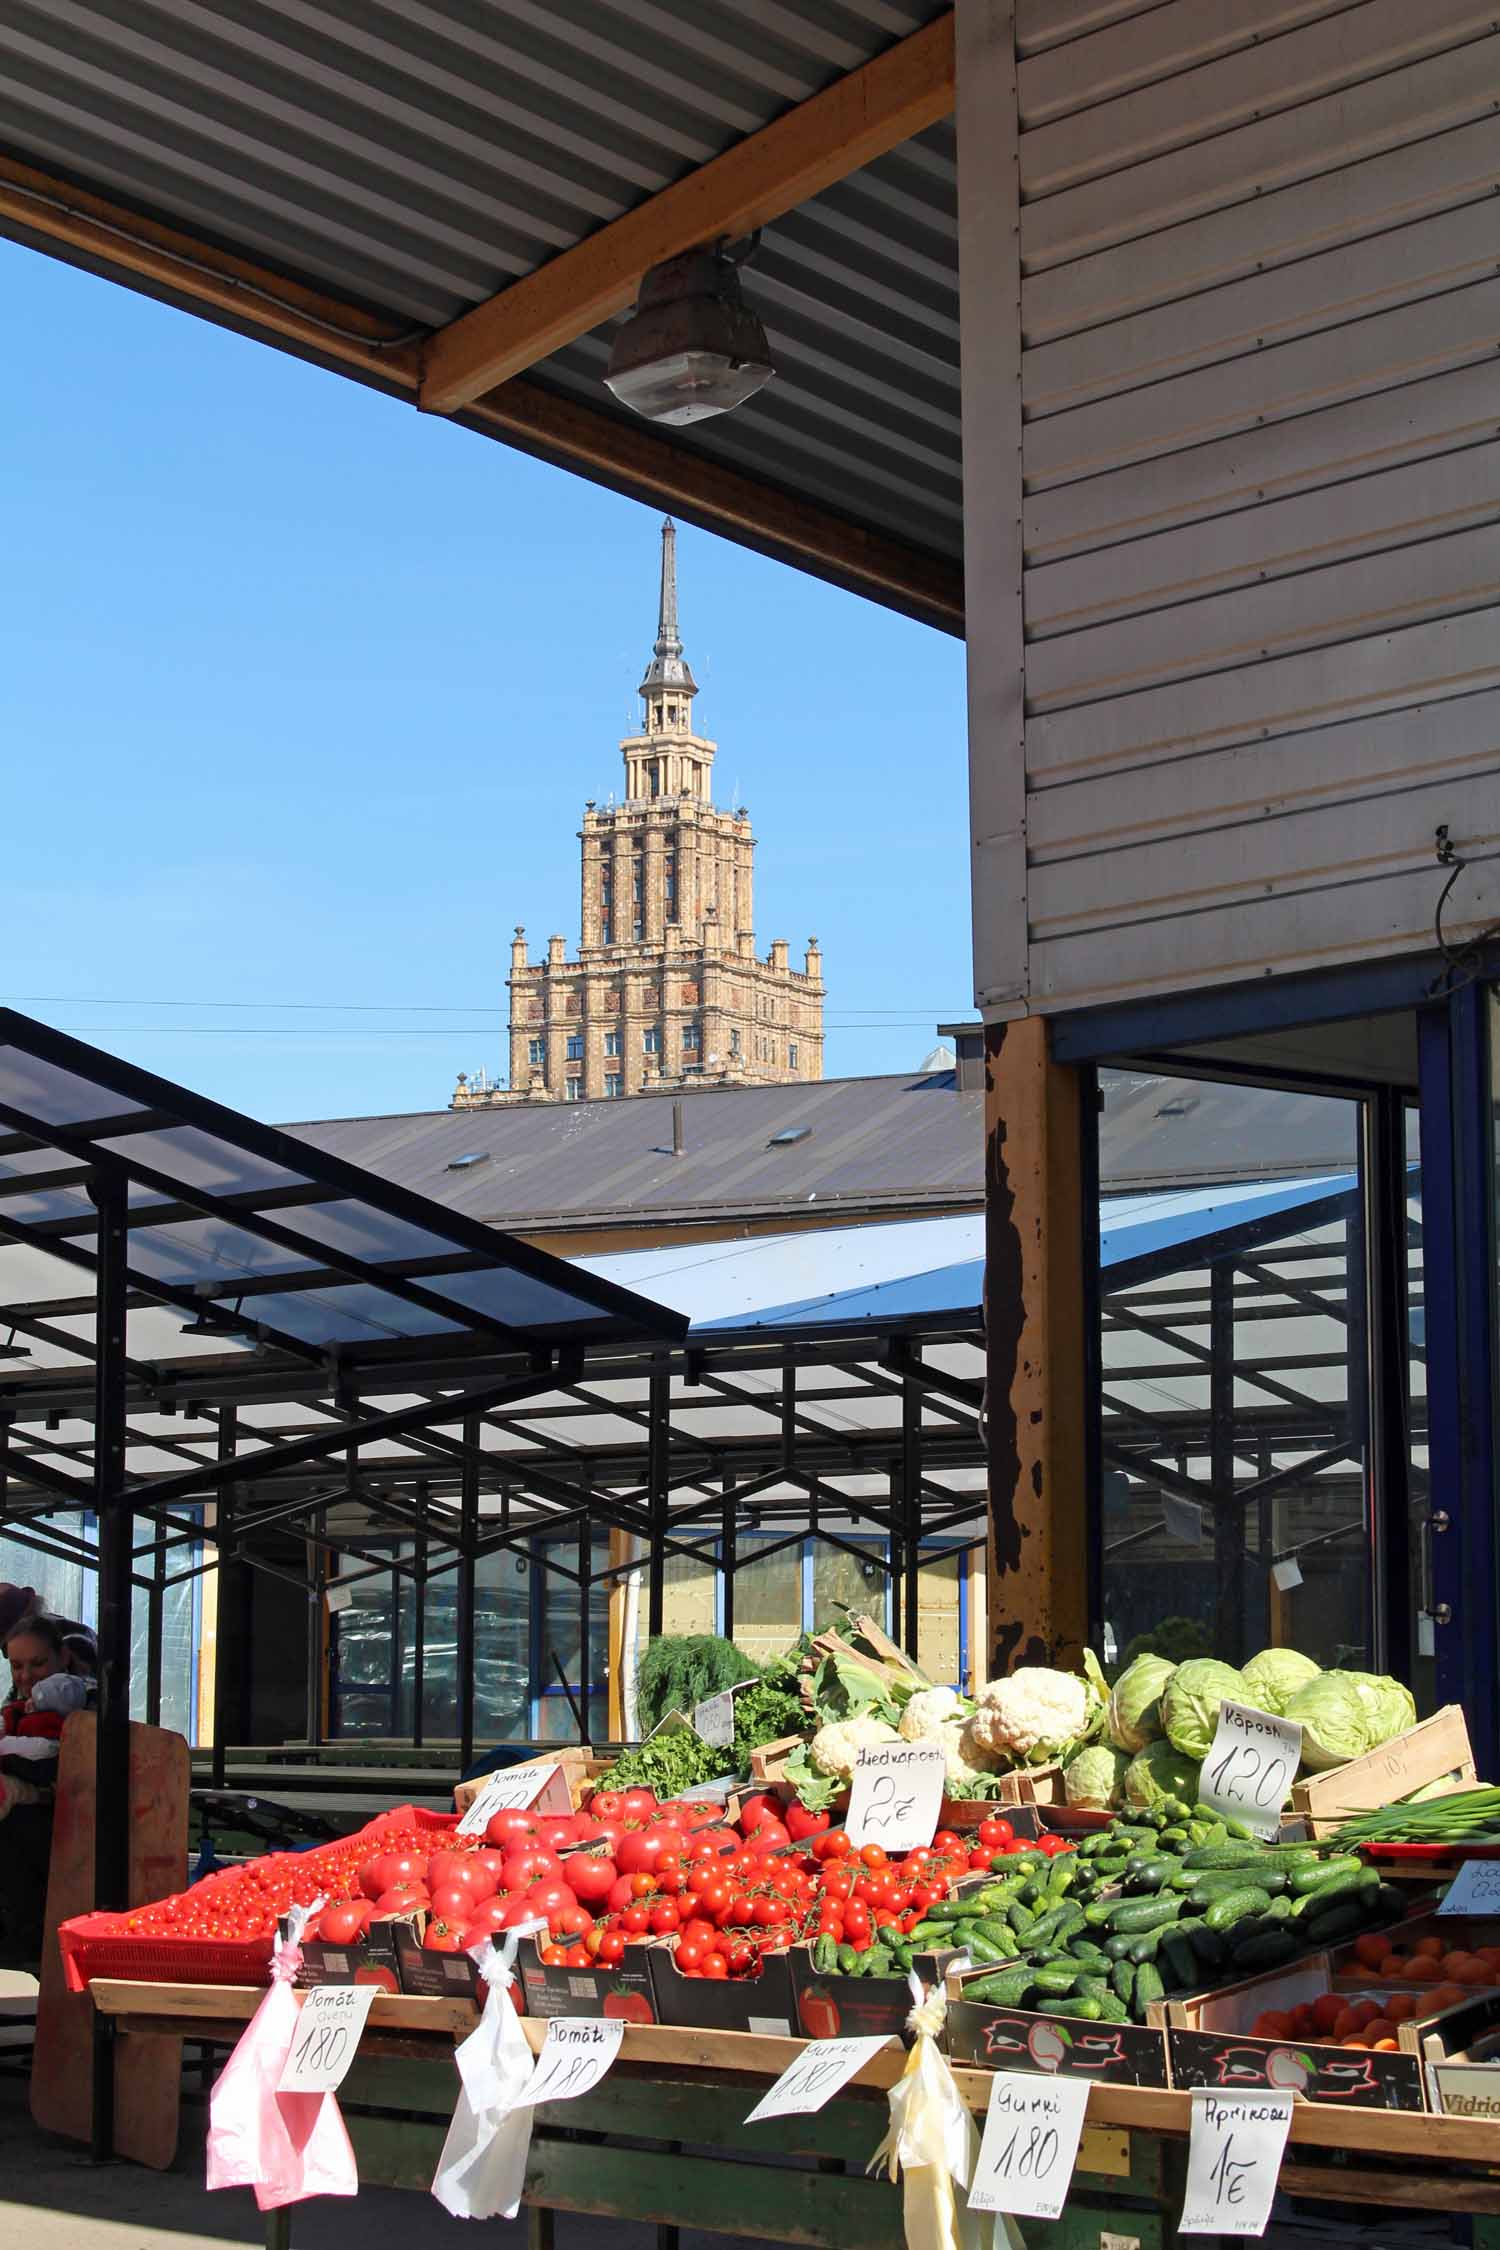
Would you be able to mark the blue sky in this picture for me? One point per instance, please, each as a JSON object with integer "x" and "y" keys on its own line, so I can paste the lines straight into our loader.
{"x": 302, "y": 695}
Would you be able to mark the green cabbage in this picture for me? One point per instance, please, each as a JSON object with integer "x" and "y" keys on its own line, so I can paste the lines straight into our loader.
{"x": 1135, "y": 1703}
{"x": 1387, "y": 1705}
{"x": 1160, "y": 1771}
{"x": 1331, "y": 1714}
{"x": 1093, "y": 1778}
{"x": 1276, "y": 1675}
{"x": 1190, "y": 1702}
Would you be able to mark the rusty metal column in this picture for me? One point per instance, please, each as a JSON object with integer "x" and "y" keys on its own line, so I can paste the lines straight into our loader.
{"x": 659, "y": 1407}
{"x": 1035, "y": 1357}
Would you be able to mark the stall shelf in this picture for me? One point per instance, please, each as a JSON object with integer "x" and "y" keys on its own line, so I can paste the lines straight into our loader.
{"x": 652, "y": 2143}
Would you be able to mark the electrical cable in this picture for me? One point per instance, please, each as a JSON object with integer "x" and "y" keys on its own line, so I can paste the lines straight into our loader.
{"x": 1463, "y": 964}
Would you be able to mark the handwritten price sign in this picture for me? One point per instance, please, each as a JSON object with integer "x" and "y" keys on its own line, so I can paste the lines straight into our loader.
{"x": 1030, "y": 2145}
{"x": 896, "y": 1796}
{"x": 329, "y": 2025}
{"x": 1234, "y": 2161}
{"x": 823, "y": 2066}
{"x": 1475, "y": 1889}
{"x": 713, "y": 1718}
{"x": 1251, "y": 1765}
{"x": 516, "y": 1788}
{"x": 575, "y": 2054}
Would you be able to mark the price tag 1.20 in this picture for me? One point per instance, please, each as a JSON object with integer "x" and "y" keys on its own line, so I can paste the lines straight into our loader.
{"x": 1234, "y": 2161}
{"x": 713, "y": 1718}
{"x": 575, "y": 2055}
{"x": 1251, "y": 1765}
{"x": 517, "y": 1788}
{"x": 1030, "y": 2146}
{"x": 823, "y": 2066}
{"x": 329, "y": 2024}
{"x": 896, "y": 1796}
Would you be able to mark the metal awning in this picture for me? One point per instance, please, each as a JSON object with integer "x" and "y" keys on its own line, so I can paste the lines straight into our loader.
{"x": 350, "y": 182}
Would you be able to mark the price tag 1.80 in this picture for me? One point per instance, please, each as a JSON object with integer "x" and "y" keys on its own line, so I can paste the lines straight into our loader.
{"x": 329, "y": 2024}
{"x": 574, "y": 2056}
{"x": 1234, "y": 2161}
{"x": 1251, "y": 1765}
{"x": 896, "y": 1796}
{"x": 1031, "y": 2132}
{"x": 823, "y": 2066}
{"x": 516, "y": 1788}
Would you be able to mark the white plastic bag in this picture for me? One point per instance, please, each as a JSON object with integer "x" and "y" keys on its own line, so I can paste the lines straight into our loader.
{"x": 482, "y": 2169}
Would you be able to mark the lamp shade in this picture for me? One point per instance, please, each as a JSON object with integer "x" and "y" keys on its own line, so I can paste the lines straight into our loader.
{"x": 692, "y": 347}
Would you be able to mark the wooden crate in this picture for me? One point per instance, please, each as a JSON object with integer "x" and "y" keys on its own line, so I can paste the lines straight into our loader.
{"x": 1438, "y": 1750}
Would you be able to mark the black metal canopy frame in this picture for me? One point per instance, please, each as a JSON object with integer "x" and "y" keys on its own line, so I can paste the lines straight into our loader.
{"x": 231, "y": 1338}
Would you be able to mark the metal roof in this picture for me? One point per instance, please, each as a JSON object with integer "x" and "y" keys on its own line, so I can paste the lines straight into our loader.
{"x": 898, "y": 1142}
{"x": 413, "y": 157}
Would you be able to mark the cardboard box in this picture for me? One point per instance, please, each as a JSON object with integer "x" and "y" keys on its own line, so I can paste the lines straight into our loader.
{"x": 1125, "y": 2054}
{"x": 762, "y": 2003}
{"x": 372, "y": 1961}
{"x": 838, "y": 2007}
{"x": 1460, "y": 1933}
{"x": 625, "y": 1992}
{"x": 426, "y": 1975}
{"x": 1437, "y": 1750}
{"x": 1209, "y": 2041}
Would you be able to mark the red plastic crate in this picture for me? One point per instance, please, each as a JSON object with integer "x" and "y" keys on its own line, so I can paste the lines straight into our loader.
{"x": 102, "y": 1944}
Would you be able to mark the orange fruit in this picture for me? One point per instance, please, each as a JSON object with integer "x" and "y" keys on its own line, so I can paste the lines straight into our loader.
{"x": 1326, "y": 2010}
{"x": 1396, "y": 1965}
{"x": 1370, "y": 1949}
{"x": 1347, "y": 2024}
{"x": 1386, "y": 2046}
{"x": 1423, "y": 1969}
{"x": 1433, "y": 1945}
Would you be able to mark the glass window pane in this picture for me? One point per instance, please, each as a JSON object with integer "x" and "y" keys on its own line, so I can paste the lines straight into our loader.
{"x": 767, "y": 1600}
{"x": 940, "y": 1618}
{"x": 1235, "y": 1411}
{"x": 842, "y": 1581}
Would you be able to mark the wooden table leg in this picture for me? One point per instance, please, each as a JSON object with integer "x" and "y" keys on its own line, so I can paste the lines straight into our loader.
{"x": 539, "y": 2227}
{"x": 279, "y": 2230}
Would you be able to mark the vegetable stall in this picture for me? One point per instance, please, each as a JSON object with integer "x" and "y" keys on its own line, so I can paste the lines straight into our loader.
{"x": 1091, "y": 1930}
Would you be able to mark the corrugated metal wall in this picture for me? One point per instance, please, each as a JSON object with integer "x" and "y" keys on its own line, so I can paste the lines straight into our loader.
{"x": 1259, "y": 292}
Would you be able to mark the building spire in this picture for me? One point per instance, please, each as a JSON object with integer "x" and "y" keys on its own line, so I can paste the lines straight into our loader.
{"x": 668, "y": 669}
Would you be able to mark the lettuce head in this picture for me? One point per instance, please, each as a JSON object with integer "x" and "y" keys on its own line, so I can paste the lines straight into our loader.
{"x": 1190, "y": 1702}
{"x": 1134, "y": 1717}
{"x": 1331, "y": 1714}
{"x": 1093, "y": 1778}
{"x": 1160, "y": 1771}
{"x": 1276, "y": 1675}
{"x": 1387, "y": 1705}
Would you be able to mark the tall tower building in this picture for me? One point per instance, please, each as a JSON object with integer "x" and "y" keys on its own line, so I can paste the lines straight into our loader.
{"x": 666, "y": 990}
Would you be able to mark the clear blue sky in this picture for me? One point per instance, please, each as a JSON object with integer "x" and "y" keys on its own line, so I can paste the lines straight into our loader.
{"x": 303, "y": 694}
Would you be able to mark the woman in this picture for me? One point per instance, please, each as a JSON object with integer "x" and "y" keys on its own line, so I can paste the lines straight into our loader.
{"x": 43, "y": 1691}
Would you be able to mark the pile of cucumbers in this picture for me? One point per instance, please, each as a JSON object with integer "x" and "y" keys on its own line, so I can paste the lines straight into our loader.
{"x": 1176, "y": 1899}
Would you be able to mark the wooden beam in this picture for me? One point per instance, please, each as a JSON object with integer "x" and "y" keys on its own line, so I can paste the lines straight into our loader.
{"x": 1036, "y": 1391}
{"x": 608, "y": 447}
{"x": 860, "y": 117}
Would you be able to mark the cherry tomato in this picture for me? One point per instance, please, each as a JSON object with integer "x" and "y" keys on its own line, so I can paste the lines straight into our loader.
{"x": 995, "y": 1832}
{"x": 714, "y": 1965}
{"x": 664, "y": 1918}
{"x": 873, "y": 1855}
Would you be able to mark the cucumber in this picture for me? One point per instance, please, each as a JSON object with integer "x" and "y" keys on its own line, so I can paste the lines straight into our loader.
{"x": 1145, "y": 1947}
{"x": 992, "y": 1927}
{"x": 1009, "y": 1988}
{"x": 1134, "y": 1914}
{"x": 1118, "y": 1947}
{"x": 1148, "y": 1987}
{"x": 1063, "y": 1876}
{"x": 1267, "y": 1950}
{"x": 1319, "y": 1872}
{"x": 1092, "y": 1957}
{"x": 848, "y": 1961}
{"x": 1235, "y": 1905}
{"x": 1271, "y": 1880}
{"x": 985, "y": 1953}
{"x": 1177, "y": 1952}
{"x": 1057, "y": 1980}
{"x": 1210, "y": 1947}
{"x": 825, "y": 1956}
{"x": 1112, "y": 2010}
{"x": 1122, "y": 1979}
{"x": 1341, "y": 1919}
{"x": 1343, "y": 1886}
{"x": 1094, "y": 1988}
{"x": 1149, "y": 1874}
{"x": 877, "y": 1961}
{"x": 1090, "y": 2010}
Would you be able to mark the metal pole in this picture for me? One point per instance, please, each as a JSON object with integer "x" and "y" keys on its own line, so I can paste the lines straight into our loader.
{"x": 315, "y": 1577}
{"x": 911, "y": 1506}
{"x": 229, "y": 1573}
{"x": 727, "y": 1557}
{"x": 419, "y": 1622}
{"x": 659, "y": 1401}
{"x": 1390, "y": 1381}
{"x": 154, "y": 1602}
{"x": 1229, "y": 1525}
{"x": 468, "y": 1534}
{"x": 585, "y": 1654}
{"x": 115, "y": 1534}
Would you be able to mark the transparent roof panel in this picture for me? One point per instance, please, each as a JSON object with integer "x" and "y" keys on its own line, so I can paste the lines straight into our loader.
{"x": 355, "y": 1263}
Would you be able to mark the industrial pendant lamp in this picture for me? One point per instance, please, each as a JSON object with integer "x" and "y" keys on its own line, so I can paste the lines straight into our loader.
{"x": 692, "y": 347}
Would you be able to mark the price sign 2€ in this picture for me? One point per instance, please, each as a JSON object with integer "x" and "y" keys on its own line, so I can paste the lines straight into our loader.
{"x": 896, "y": 1796}
{"x": 1251, "y": 1765}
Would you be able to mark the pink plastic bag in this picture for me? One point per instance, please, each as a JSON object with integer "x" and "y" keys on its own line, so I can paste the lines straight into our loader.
{"x": 285, "y": 2146}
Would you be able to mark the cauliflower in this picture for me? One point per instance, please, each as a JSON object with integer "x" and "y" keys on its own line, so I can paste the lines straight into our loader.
{"x": 929, "y": 1713}
{"x": 1030, "y": 1717}
{"x": 955, "y": 1758}
{"x": 835, "y": 1748}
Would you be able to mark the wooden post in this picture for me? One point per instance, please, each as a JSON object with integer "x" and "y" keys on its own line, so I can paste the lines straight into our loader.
{"x": 1036, "y": 1393}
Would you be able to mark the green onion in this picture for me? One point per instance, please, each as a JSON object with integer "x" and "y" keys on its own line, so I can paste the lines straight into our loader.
{"x": 1467, "y": 1816}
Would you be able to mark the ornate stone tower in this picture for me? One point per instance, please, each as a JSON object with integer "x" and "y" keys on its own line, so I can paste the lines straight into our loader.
{"x": 666, "y": 992}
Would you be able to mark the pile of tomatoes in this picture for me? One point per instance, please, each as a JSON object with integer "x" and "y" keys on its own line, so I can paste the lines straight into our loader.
{"x": 624, "y": 1869}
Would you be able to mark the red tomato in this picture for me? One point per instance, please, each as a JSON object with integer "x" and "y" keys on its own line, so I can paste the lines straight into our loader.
{"x": 454, "y": 1902}
{"x": 506, "y": 1827}
{"x": 512, "y": 1910}
{"x": 769, "y": 1836}
{"x": 642, "y": 1886}
{"x": 550, "y": 1896}
{"x": 405, "y": 1899}
{"x": 557, "y": 1828}
{"x": 946, "y": 1841}
{"x": 443, "y": 1937}
{"x": 619, "y": 1893}
{"x": 612, "y": 1947}
{"x": 490, "y": 1914}
{"x": 606, "y": 1804}
{"x": 664, "y": 1918}
{"x": 345, "y": 1923}
{"x": 840, "y": 1884}
{"x": 641, "y": 1852}
{"x": 834, "y": 1845}
{"x": 530, "y": 1865}
{"x": 690, "y": 1952}
{"x": 637, "y": 1920}
{"x": 713, "y": 1965}
{"x": 592, "y": 1879}
{"x": 555, "y": 1956}
{"x": 995, "y": 1832}
{"x": 636, "y": 1804}
{"x": 572, "y": 1922}
{"x": 739, "y": 1958}
{"x": 756, "y": 1809}
{"x": 801, "y": 1823}
{"x": 873, "y": 1855}
{"x": 378, "y": 1875}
